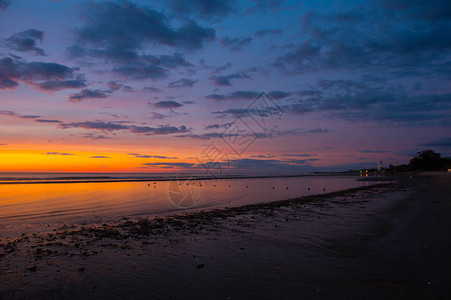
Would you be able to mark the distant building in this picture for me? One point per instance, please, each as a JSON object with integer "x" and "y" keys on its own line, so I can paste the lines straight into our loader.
{"x": 379, "y": 166}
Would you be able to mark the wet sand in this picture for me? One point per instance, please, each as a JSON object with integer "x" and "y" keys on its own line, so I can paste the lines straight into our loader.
{"x": 383, "y": 241}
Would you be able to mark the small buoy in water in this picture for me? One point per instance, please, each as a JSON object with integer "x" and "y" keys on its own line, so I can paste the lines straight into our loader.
{"x": 148, "y": 184}
{"x": 214, "y": 185}
{"x": 246, "y": 186}
{"x": 287, "y": 188}
{"x": 229, "y": 185}
{"x": 308, "y": 189}
{"x": 324, "y": 189}
{"x": 273, "y": 187}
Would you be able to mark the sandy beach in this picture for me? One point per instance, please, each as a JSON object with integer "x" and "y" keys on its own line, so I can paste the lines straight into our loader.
{"x": 387, "y": 240}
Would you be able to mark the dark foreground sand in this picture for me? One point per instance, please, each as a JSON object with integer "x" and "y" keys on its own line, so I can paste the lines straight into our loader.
{"x": 385, "y": 241}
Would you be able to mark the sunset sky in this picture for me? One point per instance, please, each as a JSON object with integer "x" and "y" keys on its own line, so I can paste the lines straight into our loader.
{"x": 269, "y": 87}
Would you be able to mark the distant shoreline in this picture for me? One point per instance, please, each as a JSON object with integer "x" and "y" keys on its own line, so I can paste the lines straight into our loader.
{"x": 100, "y": 179}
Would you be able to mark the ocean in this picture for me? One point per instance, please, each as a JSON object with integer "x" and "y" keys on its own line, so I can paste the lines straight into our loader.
{"x": 45, "y": 201}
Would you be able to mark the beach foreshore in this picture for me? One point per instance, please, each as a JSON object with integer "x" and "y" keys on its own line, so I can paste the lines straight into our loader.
{"x": 385, "y": 240}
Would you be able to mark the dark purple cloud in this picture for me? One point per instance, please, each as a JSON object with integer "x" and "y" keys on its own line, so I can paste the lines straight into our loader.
{"x": 87, "y": 94}
{"x": 372, "y": 101}
{"x": 4, "y": 4}
{"x": 394, "y": 35}
{"x": 170, "y": 165}
{"x": 111, "y": 127}
{"x": 184, "y": 82}
{"x": 138, "y": 155}
{"x": 98, "y": 125}
{"x": 14, "y": 70}
{"x": 26, "y": 41}
{"x": 151, "y": 89}
{"x": 246, "y": 95}
{"x": 58, "y": 85}
{"x": 133, "y": 27}
{"x": 100, "y": 156}
{"x": 96, "y": 137}
{"x": 207, "y": 136}
{"x": 227, "y": 79}
{"x": 167, "y": 104}
{"x": 276, "y": 95}
{"x": 47, "y": 121}
{"x": 161, "y": 130}
{"x": 218, "y": 126}
{"x": 114, "y": 86}
{"x": 59, "y": 153}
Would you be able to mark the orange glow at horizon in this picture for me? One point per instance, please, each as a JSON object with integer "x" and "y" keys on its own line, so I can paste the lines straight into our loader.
{"x": 78, "y": 160}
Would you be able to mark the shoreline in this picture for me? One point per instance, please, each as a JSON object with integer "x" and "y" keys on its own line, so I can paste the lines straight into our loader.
{"x": 350, "y": 243}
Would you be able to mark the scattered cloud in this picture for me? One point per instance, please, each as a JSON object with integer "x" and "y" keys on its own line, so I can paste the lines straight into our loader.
{"x": 276, "y": 95}
{"x": 26, "y": 41}
{"x": 370, "y": 100}
{"x": 111, "y": 127}
{"x": 137, "y": 155}
{"x": 246, "y": 95}
{"x": 96, "y": 137}
{"x": 157, "y": 116}
{"x": 184, "y": 82}
{"x": 167, "y": 104}
{"x": 151, "y": 89}
{"x": 236, "y": 43}
{"x": 59, "y": 153}
{"x": 227, "y": 80}
{"x": 218, "y": 126}
{"x": 87, "y": 94}
{"x": 58, "y": 85}
{"x": 135, "y": 28}
{"x": 100, "y": 156}
{"x": 210, "y": 135}
{"x": 14, "y": 70}
{"x": 171, "y": 165}
{"x": 47, "y": 121}
{"x": 372, "y": 36}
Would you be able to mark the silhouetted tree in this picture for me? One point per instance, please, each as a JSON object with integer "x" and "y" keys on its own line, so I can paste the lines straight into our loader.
{"x": 427, "y": 160}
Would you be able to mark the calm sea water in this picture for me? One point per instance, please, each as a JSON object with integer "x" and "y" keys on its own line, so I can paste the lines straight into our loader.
{"x": 25, "y": 207}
